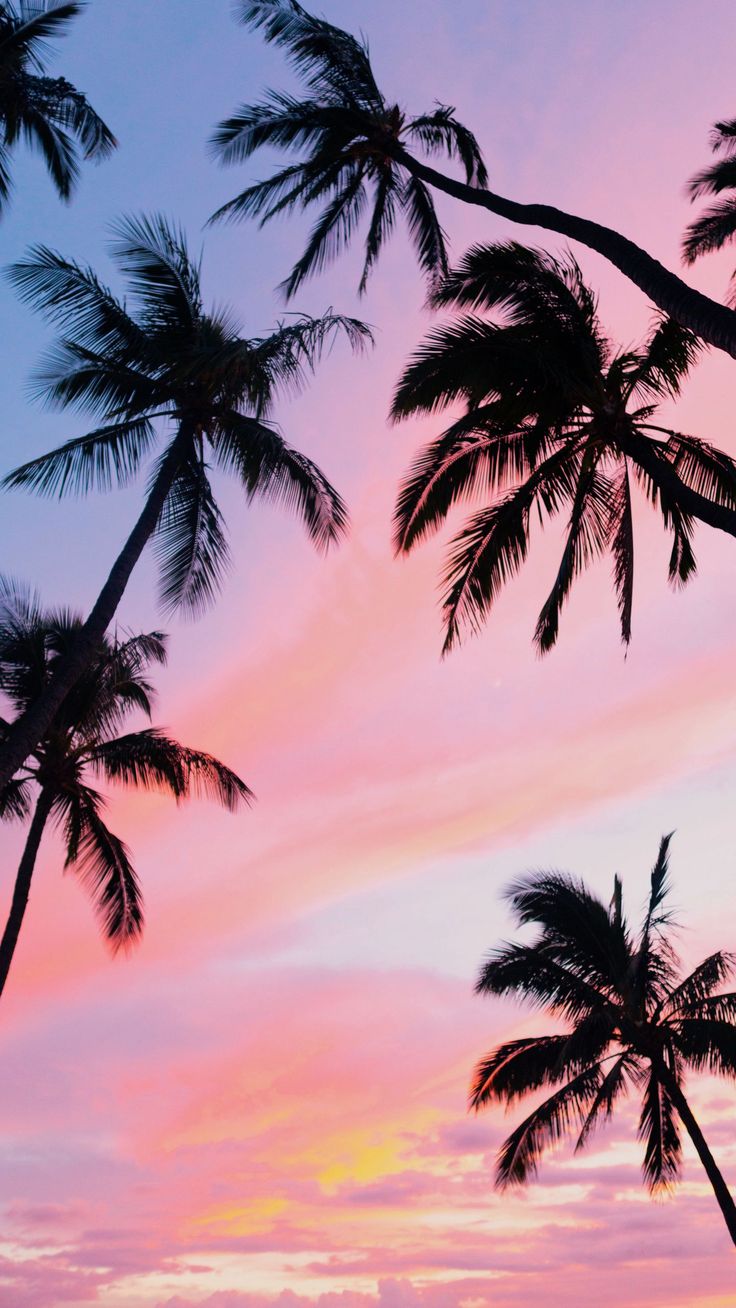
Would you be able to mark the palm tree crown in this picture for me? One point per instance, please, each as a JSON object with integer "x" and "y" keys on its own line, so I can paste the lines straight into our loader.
{"x": 633, "y": 1025}
{"x": 553, "y": 418}
{"x": 716, "y": 226}
{"x": 351, "y": 139}
{"x": 85, "y": 741}
{"x": 48, "y": 112}
{"x": 162, "y": 355}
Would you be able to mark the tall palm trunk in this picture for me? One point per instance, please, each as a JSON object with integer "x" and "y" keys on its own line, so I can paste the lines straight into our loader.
{"x": 712, "y": 321}
{"x": 23, "y": 884}
{"x": 26, "y": 732}
{"x": 687, "y": 1117}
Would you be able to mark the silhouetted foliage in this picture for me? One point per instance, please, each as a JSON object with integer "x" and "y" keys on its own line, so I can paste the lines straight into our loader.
{"x": 553, "y": 419}
{"x": 50, "y": 114}
{"x": 84, "y": 742}
{"x": 161, "y": 355}
{"x": 348, "y": 133}
{"x": 634, "y": 1026}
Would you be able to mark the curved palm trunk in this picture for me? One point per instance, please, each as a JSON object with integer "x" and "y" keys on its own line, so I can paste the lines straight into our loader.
{"x": 712, "y": 321}
{"x": 26, "y": 732}
{"x": 23, "y": 885}
{"x": 687, "y": 1117}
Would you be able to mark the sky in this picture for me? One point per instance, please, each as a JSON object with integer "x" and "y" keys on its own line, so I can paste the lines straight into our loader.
{"x": 264, "y": 1105}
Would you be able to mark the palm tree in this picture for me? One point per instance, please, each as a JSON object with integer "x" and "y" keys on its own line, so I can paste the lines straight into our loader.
{"x": 715, "y": 227}
{"x": 342, "y": 127}
{"x": 163, "y": 356}
{"x": 349, "y": 133}
{"x": 553, "y": 418}
{"x": 634, "y": 1024}
{"x": 48, "y": 112}
{"x": 84, "y": 742}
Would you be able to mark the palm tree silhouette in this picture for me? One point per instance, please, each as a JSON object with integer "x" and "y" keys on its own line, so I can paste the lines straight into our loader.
{"x": 343, "y": 126}
{"x": 348, "y": 133}
{"x": 715, "y": 227}
{"x": 164, "y": 356}
{"x": 634, "y": 1025}
{"x": 47, "y": 112}
{"x": 84, "y": 741}
{"x": 553, "y": 419}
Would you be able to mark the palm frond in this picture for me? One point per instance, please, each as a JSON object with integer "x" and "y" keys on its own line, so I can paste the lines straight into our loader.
{"x": 587, "y": 538}
{"x": 331, "y": 232}
{"x": 714, "y": 228}
{"x": 666, "y": 359}
{"x": 492, "y": 546}
{"x": 519, "y": 1157}
{"x": 190, "y": 542}
{"x": 426, "y": 234}
{"x": 707, "y": 469}
{"x": 164, "y": 280}
{"x": 576, "y": 928}
{"x": 15, "y": 800}
{"x": 385, "y": 197}
{"x": 533, "y": 972}
{"x": 71, "y": 294}
{"x": 102, "y": 861}
{"x": 109, "y": 456}
{"x": 613, "y": 1084}
{"x": 682, "y": 564}
{"x": 152, "y": 760}
{"x": 688, "y": 996}
{"x": 270, "y": 469}
{"x": 441, "y": 133}
{"x": 466, "y": 459}
{"x": 659, "y": 1131}
{"x": 24, "y": 35}
{"x": 331, "y": 61}
{"x": 707, "y": 1044}
{"x": 622, "y": 549}
{"x": 519, "y": 1067}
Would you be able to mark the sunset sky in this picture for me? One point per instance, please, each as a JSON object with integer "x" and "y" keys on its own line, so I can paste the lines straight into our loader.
{"x": 264, "y": 1105}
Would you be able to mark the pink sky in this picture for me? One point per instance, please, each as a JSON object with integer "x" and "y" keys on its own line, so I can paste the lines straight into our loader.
{"x": 265, "y": 1105}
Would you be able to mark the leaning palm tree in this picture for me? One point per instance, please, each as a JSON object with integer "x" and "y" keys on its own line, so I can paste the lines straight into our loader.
{"x": 633, "y": 1025}
{"x": 48, "y": 112}
{"x": 553, "y": 419}
{"x": 347, "y": 136}
{"x": 83, "y": 742}
{"x": 715, "y": 227}
{"x": 161, "y": 368}
{"x": 342, "y": 127}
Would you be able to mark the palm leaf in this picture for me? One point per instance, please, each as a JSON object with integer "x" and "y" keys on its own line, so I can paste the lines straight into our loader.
{"x": 658, "y": 1129}
{"x": 520, "y": 1067}
{"x": 494, "y": 543}
{"x": 103, "y": 458}
{"x": 622, "y": 548}
{"x": 711, "y": 231}
{"x": 427, "y": 236}
{"x": 190, "y": 542}
{"x": 519, "y": 1156}
{"x": 103, "y": 863}
{"x": 587, "y": 537}
{"x": 271, "y": 470}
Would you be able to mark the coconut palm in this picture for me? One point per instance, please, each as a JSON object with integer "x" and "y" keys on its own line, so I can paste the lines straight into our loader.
{"x": 344, "y": 127}
{"x": 84, "y": 742}
{"x": 715, "y": 227}
{"x": 634, "y": 1024}
{"x": 553, "y": 419}
{"x": 50, "y": 114}
{"x": 161, "y": 369}
{"x": 346, "y": 134}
